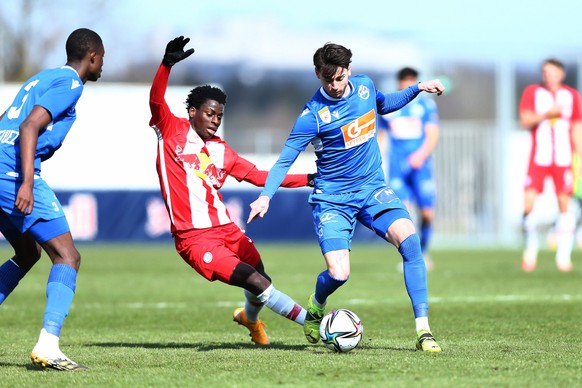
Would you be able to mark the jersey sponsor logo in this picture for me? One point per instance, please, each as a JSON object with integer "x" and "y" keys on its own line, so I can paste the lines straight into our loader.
{"x": 363, "y": 92}
{"x": 360, "y": 130}
{"x": 202, "y": 166}
{"x": 324, "y": 115}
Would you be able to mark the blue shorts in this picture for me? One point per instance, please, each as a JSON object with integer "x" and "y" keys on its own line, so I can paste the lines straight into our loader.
{"x": 335, "y": 215}
{"x": 417, "y": 186}
{"x": 46, "y": 221}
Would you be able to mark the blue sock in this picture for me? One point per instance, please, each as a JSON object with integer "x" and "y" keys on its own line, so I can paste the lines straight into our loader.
{"x": 325, "y": 286}
{"x": 415, "y": 275}
{"x": 60, "y": 291}
{"x": 10, "y": 275}
{"x": 425, "y": 235}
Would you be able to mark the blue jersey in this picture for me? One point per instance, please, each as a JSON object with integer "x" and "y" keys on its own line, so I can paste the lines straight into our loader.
{"x": 407, "y": 126}
{"x": 343, "y": 133}
{"x": 57, "y": 90}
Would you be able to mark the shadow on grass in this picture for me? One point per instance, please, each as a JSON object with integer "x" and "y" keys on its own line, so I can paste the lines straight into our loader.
{"x": 202, "y": 347}
{"x": 206, "y": 347}
{"x": 28, "y": 366}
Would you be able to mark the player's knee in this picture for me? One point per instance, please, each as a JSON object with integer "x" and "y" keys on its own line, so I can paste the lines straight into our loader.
{"x": 339, "y": 273}
{"x": 338, "y": 264}
{"x": 71, "y": 257}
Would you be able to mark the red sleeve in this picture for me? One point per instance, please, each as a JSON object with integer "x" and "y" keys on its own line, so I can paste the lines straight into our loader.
{"x": 243, "y": 170}
{"x": 158, "y": 106}
{"x": 577, "y": 106}
{"x": 527, "y": 99}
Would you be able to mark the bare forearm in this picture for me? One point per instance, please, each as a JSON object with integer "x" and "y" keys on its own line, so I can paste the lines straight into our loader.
{"x": 28, "y": 140}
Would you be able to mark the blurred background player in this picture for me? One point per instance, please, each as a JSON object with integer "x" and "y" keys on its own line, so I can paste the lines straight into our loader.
{"x": 340, "y": 122}
{"x": 552, "y": 112}
{"x": 413, "y": 134}
{"x": 192, "y": 165}
{"x": 31, "y": 217}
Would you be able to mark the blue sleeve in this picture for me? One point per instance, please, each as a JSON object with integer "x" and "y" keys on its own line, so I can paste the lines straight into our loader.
{"x": 279, "y": 170}
{"x": 60, "y": 97}
{"x": 393, "y": 101}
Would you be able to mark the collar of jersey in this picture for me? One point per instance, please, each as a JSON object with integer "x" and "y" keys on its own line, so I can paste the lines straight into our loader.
{"x": 328, "y": 97}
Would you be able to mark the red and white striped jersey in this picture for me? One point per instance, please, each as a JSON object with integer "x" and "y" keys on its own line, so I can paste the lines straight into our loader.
{"x": 552, "y": 138}
{"x": 188, "y": 179}
{"x": 191, "y": 170}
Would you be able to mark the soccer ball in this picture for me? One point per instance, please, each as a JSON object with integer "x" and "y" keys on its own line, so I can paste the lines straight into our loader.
{"x": 341, "y": 330}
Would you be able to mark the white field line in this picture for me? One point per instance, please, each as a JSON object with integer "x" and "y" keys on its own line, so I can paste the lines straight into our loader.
{"x": 376, "y": 301}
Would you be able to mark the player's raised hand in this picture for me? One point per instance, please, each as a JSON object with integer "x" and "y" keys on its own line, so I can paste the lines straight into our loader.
{"x": 175, "y": 51}
{"x": 259, "y": 208}
{"x": 432, "y": 86}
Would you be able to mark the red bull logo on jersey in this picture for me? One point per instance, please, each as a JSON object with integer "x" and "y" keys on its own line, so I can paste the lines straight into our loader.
{"x": 360, "y": 130}
{"x": 201, "y": 165}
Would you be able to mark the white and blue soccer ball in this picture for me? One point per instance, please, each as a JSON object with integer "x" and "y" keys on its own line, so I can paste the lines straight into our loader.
{"x": 341, "y": 330}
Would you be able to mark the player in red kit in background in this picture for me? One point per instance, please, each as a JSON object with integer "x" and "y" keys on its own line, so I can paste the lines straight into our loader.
{"x": 192, "y": 165}
{"x": 552, "y": 112}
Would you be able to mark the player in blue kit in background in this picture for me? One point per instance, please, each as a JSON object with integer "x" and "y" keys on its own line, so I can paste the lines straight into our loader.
{"x": 340, "y": 122}
{"x": 413, "y": 134}
{"x": 31, "y": 218}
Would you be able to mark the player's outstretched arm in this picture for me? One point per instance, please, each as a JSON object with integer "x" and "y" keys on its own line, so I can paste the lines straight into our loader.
{"x": 175, "y": 51}
{"x": 432, "y": 86}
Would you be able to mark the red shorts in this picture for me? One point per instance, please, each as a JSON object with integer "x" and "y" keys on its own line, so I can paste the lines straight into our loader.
{"x": 561, "y": 176}
{"x": 215, "y": 252}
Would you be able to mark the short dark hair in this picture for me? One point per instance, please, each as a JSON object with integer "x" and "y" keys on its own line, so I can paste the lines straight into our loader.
{"x": 555, "y": 62}
{"x": 407, "y": 72}
{"x": 328, "y": 58}
{"x": 200, "y": 94}
{"x": 80, "y": 42}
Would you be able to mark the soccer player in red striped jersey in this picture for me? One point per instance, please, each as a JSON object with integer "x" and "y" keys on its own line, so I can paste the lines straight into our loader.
{"x": 552, "y": 112}
{"x": 192, "y": 165}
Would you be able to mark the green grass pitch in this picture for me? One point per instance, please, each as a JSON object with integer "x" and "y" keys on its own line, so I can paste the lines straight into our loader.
{"x": 142, "y": 317}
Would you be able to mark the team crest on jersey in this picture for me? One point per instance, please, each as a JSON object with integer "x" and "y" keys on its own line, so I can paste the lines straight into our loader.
{"x": 360, "y": 130}
{"x": 325, "y": 115}
{"x": 363, "y": 92}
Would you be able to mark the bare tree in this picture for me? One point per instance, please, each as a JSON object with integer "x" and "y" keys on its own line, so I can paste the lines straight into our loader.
{"x": 32, "y": 29}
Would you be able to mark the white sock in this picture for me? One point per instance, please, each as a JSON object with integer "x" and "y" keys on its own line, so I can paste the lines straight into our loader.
{"x": 253, "y": 306}
{"x": 283, "y": 305}
{"x": 48, "y": 343}
{"x": 565, "y": 227}
{"x": 422, "y": 323}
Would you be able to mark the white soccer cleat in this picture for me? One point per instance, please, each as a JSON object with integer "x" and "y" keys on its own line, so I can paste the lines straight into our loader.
{"x": 55, "y": 360}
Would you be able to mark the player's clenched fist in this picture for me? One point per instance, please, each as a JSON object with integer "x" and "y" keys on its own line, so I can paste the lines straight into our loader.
{"x": 432, "y": 86}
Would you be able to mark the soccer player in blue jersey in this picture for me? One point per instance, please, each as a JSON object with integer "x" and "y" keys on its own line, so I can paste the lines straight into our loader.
{"x": 31, "y": 218}
{"x": 413, "y": 133}
{"x": 340, "y": 122}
